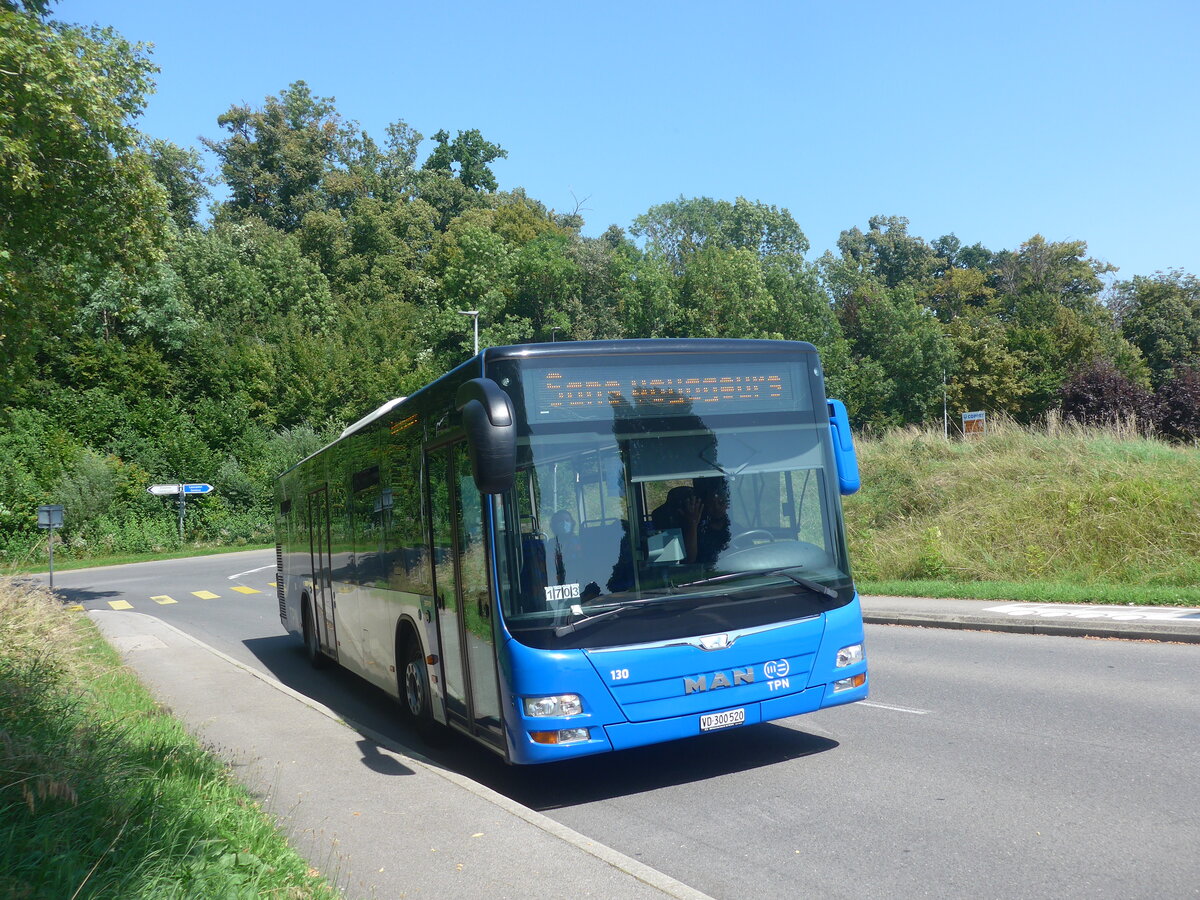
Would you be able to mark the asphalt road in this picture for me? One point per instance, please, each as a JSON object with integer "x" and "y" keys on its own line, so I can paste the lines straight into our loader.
{"x": 992, "y": 765}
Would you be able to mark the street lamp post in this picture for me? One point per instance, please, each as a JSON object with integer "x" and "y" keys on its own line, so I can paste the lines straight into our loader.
{"x": 474, "y": 314}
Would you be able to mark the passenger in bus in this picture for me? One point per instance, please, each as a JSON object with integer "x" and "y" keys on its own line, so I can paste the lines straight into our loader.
{"x": 621, "y": 578}
{"x": 567, "y": 551}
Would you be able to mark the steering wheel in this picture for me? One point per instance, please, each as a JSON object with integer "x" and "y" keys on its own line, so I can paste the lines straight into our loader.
{"x": 746, "y": 538}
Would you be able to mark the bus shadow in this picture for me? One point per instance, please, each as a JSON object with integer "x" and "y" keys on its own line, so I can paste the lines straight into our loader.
{"x": 354, "y": 699}
{"x": 642, "y": 769}
{"x": 553, "y": 785}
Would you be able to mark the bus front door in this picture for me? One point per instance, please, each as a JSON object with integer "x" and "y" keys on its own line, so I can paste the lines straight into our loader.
{"x": 323, "y": 602}
{"x": 465, "y": 618}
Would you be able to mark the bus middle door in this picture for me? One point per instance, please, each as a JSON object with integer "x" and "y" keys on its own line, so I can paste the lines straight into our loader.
{"x": 323, "y": 603}
{"x": 462, "y": 595}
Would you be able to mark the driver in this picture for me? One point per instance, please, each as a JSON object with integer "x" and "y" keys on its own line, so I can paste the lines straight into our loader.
{"x": 701, "y": 513}
{"x": 707, "y": 512}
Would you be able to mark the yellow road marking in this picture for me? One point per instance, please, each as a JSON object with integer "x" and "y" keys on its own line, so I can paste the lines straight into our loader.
{"x": 120, "y": 604}
{"x": 163, "y": 599}
{"x": 272, "y": 584}
{"x": 205, "y": 595}
{"x": 246, "y": 590}
{"x": 78, "y": 607}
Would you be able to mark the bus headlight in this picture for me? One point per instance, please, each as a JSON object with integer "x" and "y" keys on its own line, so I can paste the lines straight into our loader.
{"x": 559, "y": 705}
{"x": 848, "y": 656}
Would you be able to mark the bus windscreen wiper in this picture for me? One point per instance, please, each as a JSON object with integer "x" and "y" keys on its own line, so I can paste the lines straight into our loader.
{"x": 787, "y": 571}
{"x": 643, "y": 605}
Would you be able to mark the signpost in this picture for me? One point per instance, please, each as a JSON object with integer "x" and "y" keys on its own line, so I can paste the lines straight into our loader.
{"x": 183, "y": 491}
{"x": 974, "y": 423}
{"x": 49, "y": 518}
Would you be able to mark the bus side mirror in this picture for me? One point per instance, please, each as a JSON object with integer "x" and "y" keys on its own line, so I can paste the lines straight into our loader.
{"x": 487, "y": 416}
{"x": 843, "y": 448}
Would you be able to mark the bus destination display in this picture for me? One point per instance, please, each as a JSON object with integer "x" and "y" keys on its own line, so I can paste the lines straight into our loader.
{"x": 593, "y": 392}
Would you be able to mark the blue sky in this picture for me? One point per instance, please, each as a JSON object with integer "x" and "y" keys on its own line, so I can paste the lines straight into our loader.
{"x": 992, "y": 121}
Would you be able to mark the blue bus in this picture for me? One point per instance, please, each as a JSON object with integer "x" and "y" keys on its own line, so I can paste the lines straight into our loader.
{"x": 570, "y": 548}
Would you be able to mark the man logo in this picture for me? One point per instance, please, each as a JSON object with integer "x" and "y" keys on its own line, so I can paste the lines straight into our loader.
{"x": 719, "y": 680}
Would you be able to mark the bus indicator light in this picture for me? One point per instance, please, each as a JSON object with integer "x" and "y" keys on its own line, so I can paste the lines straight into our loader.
{"x": 847, "y": 684}
{"x": 565, "y": 736}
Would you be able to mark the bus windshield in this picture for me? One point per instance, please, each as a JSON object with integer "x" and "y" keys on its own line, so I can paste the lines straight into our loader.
{"x": 660, "y": 526}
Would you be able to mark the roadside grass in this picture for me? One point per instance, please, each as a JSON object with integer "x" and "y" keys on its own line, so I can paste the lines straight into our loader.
{"x": 1048, "y": 512}
{"x": 103, "y": 793}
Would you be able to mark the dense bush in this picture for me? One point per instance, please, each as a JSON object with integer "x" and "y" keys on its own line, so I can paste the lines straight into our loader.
{"x": 1178, "y": 405}
{"x": 1102, "y": 395}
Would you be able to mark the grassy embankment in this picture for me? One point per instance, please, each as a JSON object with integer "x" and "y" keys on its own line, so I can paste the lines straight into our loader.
{"x": 103, "y": 793}
{"x": 1049, "y": 513}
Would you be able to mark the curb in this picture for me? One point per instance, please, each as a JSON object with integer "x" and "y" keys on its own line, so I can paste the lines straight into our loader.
{"x": 1127, "y": 631}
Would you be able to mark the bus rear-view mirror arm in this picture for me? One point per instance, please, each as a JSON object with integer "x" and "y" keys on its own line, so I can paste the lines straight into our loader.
{"x": 487, "y": 416}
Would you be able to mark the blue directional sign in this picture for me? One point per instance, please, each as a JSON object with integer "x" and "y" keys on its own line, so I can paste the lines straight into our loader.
{"x": 196, "y": 488}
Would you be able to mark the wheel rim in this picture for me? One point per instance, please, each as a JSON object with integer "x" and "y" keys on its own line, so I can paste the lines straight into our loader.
{"x": 414, "y": 687}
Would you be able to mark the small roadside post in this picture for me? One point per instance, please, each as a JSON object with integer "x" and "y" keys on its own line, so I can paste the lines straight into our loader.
{"x": 49, "y": 518}
{"x": 183, "y": 491}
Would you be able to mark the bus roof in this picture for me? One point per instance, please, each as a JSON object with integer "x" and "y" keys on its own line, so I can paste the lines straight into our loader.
{"x": 574, "y": 348}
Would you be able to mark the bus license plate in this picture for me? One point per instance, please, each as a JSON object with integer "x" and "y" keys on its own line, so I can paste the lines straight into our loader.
{"x": 727, "y": 719}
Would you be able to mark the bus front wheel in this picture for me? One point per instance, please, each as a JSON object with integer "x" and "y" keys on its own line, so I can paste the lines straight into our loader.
{"x": 414, "y": 691}
{"x": 312, "y": 646}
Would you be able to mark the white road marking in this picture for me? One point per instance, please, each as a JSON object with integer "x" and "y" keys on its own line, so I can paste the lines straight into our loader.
{"x": 1116, "y": 613}
{"x": 250, "y": 572}
{"x": 903, "y": 709}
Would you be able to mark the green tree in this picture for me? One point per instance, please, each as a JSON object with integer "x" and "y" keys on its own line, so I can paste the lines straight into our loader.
{"x": 888, "y": 252}
{"x": 987, "y": 373}
{"x": 457, "y": 175}
{"x": 1160, "y": 315}
{"x": 275, "y": 158}
{"x": 1048, "y": 297}
{"x": 724, "y": 294}
{"x": 682, "y": 227}
{"x": 466, "y": 158}
{"x": 181, "y": 175}
{"x": 901, "y": 355}
{"x": 251, "y": 273}
{"x": 740, "y": 272}
{"x": 77, "y": 196}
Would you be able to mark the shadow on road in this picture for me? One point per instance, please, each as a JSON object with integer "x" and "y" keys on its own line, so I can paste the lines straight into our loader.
{"x": 551, "y": 786}
{"x": 70, "y": 596}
